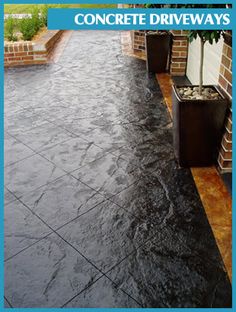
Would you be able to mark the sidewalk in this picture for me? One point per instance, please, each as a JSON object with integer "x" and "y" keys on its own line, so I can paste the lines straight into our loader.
{"x": 97, "y": 214}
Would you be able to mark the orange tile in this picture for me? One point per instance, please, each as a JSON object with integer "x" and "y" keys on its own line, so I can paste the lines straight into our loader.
{"x": 218, "y": 207}
{"x": 165, "y": 83}
{"x": 223, "y": 238}
{"x": 214, "y": 194}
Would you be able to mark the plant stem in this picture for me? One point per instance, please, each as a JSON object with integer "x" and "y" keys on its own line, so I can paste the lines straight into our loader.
{"x": 201, "y": 66}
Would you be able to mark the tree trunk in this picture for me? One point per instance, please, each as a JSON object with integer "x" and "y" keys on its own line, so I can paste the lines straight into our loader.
{"x": 201, "y": 67}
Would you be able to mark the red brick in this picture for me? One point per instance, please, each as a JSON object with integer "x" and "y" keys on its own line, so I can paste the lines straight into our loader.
{"x": 228, "y": 125}
{"x": 176, "y": 43}
{"x": 27, "y": 57}
{"x": 39, "y": 62}
{"x": 14, "y": 58}
{"x": 223, "y": 83}
{"x": 222, "y": 70}
{"x": 228, "y": 135}
{"x": 179, "y": 49}
{"x": 175, "y": 54}
{"x": 225, "y": 49}
{"x": 225, "y": 61}
{"x": 176, "y": 32}
{"x": 184, "y": 43}
{"x": 175, "y": 65}
{"x": 227, "y": 155}
{"x": 177, "y": 70}
{"x": 226, "y": 144}
{"x": 182, "y": 65}
{"x": 224, "y": 164}
{"x": 21, "y": 54}
{"x": 180, "y": 38}
{"x": 40, "y": 52}
{"x": 228, "y": 75}
{"x": 9, "y": 54}
{"x": 229, "y": 52}
{"x": 229, "y": 89}
{"x": 141, "y": 47}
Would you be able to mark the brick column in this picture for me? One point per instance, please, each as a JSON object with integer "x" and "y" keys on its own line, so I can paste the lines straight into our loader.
{"x": 138, "y": 40}
{"x": 138, "y": 36}
{"x": 225, "y": 82}
{"x": 179, "y": 53}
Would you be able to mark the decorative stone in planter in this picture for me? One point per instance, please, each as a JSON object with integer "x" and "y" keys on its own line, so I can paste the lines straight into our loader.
{"x": 158, "y": 49}
{"x": 197, "y": 124}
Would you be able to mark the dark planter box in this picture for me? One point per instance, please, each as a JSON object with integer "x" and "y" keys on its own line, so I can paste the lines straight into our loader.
{"x": 157, "y": 49}
{"x": 197, "y": 126}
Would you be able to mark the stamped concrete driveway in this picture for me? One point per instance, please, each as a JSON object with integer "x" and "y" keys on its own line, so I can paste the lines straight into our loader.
{"x": 97, "y": 214}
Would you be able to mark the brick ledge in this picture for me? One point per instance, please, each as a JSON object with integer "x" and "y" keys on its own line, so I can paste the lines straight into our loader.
{"x": 31, "y": 52}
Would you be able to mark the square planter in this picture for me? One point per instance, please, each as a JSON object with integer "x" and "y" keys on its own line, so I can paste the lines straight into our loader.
{"x": 157, "y": 49}
{"x": 197, "y": 128}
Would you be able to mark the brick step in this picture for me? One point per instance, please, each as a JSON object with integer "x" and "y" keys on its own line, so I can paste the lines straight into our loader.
{"x": 224, "y": 165}
{"x": 226, "y": 144}
{"x": 228, "y": 135}
{"x": 226, "y": 155}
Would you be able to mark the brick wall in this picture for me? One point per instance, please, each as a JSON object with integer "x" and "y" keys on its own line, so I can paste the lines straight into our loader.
{"x": 23, "y": 54}
{"x": 30, "y": 53}
{"x": 178, "y": 65}
{"x": 138, "y": 40}
{"x": 179, "y": 52}
{"x": 225, "y": 77}
{"x": 225, "y": 82}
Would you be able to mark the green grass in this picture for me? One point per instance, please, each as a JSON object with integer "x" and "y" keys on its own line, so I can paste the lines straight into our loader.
{"x": 27, "y": 8}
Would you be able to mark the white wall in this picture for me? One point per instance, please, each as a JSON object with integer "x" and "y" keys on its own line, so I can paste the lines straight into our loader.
{"x": 212, "y": 62}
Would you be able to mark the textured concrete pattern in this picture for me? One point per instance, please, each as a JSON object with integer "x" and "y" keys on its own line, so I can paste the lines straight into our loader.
{"x": 97, "y": 214}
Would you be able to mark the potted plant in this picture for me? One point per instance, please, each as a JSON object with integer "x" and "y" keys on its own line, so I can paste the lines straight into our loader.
{"x": 198, "y": 114}
{"x": 157, "y": 47}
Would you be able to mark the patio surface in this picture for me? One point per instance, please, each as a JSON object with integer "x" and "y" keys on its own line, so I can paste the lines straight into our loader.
{"x": 97, "y": 214}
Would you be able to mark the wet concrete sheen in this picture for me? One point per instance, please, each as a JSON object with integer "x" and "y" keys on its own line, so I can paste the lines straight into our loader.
{"x": 97, "y": 214}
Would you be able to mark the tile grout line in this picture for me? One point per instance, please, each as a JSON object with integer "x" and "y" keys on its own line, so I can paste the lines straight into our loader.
{"x": 59, "y": 227}
{"x": 70, "y": 173}
{"x": 57, "y": 144}
{"x": 86, "y": 212}
{"x": 87, "y": 287}
{"x": 113, "y": 267}
{"x": 27, "y": 247}
{"x": 54, "y": 231}
{"x": 71, "y": 132}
